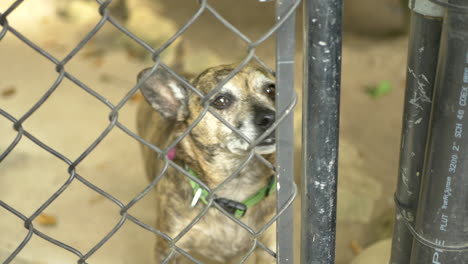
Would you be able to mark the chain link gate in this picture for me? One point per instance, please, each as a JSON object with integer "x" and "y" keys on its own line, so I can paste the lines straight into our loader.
{"x": 285, "y": 104}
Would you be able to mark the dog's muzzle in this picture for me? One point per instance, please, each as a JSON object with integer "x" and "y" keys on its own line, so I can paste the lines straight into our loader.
{"x": 263, "y": 120}
{"x": 270, "y": 140}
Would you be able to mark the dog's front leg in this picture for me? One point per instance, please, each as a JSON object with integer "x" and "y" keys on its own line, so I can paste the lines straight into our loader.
{"x": 163, "y": 250}
{"x": 176, "y": 258}
{"x": 269, "y": 240}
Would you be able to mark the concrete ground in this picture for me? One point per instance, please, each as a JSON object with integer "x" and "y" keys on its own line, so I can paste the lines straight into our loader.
{"x": 71, "y": 120}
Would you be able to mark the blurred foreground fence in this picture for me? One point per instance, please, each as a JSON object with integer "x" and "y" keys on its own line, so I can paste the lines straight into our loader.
{"x": 321, "y": 104}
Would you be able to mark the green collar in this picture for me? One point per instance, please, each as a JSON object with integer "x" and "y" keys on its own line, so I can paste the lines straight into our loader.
{"x": 236, "y": 208}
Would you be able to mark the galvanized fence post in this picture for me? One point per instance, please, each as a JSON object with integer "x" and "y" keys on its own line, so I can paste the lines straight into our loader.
{"x": 285, "y": 51}
{"x": 321, "y": 100}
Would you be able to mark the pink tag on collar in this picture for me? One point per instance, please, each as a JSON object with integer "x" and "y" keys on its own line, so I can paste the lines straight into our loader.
{"x": 171, "y": 153}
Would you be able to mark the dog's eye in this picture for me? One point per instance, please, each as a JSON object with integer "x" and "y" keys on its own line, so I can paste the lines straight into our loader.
{"x": 270, "y": 91}
{"x": 221, "y": 102}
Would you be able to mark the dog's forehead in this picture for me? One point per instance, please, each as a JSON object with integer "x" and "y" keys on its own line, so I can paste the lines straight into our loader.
{"x": 248, "y": 78}
{"x": 260, "y": 78}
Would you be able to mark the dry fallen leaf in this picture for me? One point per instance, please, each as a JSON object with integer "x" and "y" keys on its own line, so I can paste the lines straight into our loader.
{"x": 132, "y": 55}
{"x": 9, "y": 91}
{"x": 54, "y": 45}
{"x": 355, "y": 247}
{"x": 96, "y": 199}
{"x": 46, "y": 220}
{"x": 45, "y": 20}
{"x": 136, "y": 97}
{"x": 103, "y": 166}
{"x": 105, "y": 78}
{"x": 90, "y": 53}
{"x": 98, "y": 61}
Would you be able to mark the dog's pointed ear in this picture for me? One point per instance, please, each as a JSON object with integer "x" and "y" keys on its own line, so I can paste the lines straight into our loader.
{"x": 164, "y": 93}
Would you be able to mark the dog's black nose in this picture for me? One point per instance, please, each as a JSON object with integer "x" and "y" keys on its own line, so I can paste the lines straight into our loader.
{"x": 265, "y": 118}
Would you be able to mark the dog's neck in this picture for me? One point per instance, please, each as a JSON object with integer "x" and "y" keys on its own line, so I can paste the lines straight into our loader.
{"x": 214, "y": 168}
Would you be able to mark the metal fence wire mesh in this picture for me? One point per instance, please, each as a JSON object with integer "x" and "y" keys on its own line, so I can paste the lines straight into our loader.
{"x": 61, "y": 69}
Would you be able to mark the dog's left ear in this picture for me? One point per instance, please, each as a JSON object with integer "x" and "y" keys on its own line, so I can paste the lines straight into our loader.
{"x": 164, "y": 93}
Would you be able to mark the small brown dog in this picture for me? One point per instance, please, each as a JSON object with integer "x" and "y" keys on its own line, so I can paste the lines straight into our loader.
{"x": 211, "y": 152}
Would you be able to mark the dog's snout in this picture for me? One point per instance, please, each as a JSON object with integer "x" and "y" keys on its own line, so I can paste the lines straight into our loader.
{"x": 265, "y": 118}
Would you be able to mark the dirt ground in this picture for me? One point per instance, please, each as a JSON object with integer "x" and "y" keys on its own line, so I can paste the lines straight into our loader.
{"x": 71, "y": 119}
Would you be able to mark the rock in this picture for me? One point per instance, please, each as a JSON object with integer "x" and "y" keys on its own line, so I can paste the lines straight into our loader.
{"x": 374, "y": 254}
{"x": 151, "y": 27}
{"x": 375, "y": 18}
{"x": 81, "y": 12}
{"x": 354, "y": 185}
{"x": 145, "y": 20}
{"x": 87, "y": 11}
{"x": 200, "y": 59}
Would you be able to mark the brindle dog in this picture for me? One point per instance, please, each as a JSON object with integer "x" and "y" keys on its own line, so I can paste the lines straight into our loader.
{"x": 213, "y": 152}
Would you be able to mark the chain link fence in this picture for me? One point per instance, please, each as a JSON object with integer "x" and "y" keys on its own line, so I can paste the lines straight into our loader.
{"x": 285, "y": 195}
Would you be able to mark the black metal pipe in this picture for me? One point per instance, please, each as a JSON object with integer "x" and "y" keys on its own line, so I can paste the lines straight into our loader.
{"x": 442, "y": 216}
{"x": 321, "y": 100}
{"x": 420, "y": 77}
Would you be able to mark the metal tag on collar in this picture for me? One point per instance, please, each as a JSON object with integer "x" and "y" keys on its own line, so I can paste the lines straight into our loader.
{"x": 196, "y": 197}
{"x": 232, "y": 206}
